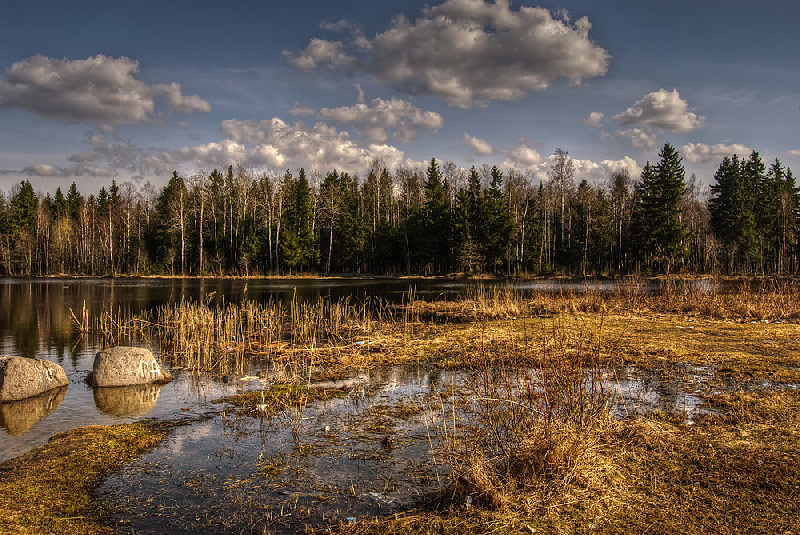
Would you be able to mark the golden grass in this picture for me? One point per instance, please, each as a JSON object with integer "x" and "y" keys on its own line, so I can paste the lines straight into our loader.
{"x": 48, "y": 490}
{"x": 301, "y": 336}
{"x": 727, "y": 474}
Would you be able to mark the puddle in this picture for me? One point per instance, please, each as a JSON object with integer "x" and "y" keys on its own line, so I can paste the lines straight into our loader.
{"x": 638, "y": 391}
{"x": 351, "y": 456}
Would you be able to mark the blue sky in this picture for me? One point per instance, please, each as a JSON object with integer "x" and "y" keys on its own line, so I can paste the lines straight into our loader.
{"x": 91, "y": 91}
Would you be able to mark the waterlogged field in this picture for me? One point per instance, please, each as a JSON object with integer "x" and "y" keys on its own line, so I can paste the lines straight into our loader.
{"x": 594, "y": 410}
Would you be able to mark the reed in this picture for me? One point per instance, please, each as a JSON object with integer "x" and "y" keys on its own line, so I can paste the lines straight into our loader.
{"x": 292, "y": 338}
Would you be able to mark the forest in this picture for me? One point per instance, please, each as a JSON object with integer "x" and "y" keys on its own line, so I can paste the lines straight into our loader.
{"x": 441, "y": 220}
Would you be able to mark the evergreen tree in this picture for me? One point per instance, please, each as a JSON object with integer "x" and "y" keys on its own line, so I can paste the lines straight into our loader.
{"x": 467, "y": 226}
{"x": 659, "y": 230}
{"x": 299, "y": 243}
{"x": 733, "y": 216}
{"x": 435, "y": 222}
{"x": 24, "y": 206}
{"x": 497, "y": 224}
{"x": 74, "y": 201}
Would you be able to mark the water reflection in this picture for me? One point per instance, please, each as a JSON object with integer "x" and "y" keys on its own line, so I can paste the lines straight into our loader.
{"x": 127, "y": 401}
{"x": 17, "y": 417}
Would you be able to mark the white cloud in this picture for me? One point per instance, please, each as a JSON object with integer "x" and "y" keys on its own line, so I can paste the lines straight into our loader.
{"x": 319, "y": 52}
{"x": 180, "y": 102}
{"x": 268, "y": 143}
{"x": 594, "y": 119}
{"x": 375, "y": 119}
{"x": 479, "y": 146}
{"x": 299, "y": 110}
{"x": 525, "y": 157}
{"x": 214, "y": 154}
{"x": 702, "y": 152}
{"x": 662, "y": 109}
{"x": 599, "y": 172}
{"x": 469, "y": 52}
{"x": 794, "y": 152}
{"x": 100, "y": 90}
{"x": 640, "y": 138}
{"x": 276, "y": 143}
{"x": 75, "y": 170}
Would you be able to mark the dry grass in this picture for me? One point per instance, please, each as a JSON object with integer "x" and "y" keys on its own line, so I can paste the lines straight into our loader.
{"x": 730, "y": 474}
{"x": 48, "y": 490}
{"x": 527, "y": 433}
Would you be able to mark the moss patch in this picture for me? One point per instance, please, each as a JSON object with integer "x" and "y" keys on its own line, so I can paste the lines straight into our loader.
{"x": 48, "y": 490}
{"x": 280, "y": 397}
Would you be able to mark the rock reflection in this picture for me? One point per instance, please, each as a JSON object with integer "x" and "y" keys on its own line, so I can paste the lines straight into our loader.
{"x": 127, "y": 401}
{"x": 19, "y": 416}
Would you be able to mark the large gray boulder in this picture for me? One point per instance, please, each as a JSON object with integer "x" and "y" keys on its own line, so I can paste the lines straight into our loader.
{"x": 22, "y": 377}
{"x": 125, "y": 366}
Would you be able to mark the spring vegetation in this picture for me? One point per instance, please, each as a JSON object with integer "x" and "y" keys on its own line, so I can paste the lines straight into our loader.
{"x": 443, "y": 220}
{"x": 530, "y": 441}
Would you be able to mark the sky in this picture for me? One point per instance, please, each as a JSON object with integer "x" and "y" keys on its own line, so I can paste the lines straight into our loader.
{"x": 95, "y": 91}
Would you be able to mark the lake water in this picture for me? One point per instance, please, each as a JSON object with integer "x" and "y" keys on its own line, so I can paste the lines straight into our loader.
{"x": 36, "y": 321}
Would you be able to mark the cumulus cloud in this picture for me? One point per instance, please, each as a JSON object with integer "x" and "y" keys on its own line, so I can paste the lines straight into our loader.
{"x": 523, "y": 156}
{"x": 379, "y": 116}
{"x": 100, "y": 90}
{"x": 276, "y": 143}
{"x": 594, "y": 119}
{"x": 662, "y": 109}
{"x": 526, "y": 157}
{"x": 702, "y": 152}
{"x": 180, "y": 102}
{"x": 601, "y": 171}
{"x": 640, "y": 138}
{"x": 268, "y": 143}
{"x": 479, "y": 146}
{"x": 468, "y": 52}
{"x": 319, "y": 52}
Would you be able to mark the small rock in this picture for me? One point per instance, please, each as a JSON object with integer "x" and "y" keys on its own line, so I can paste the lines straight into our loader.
{"x": 125, "y": 366}
{"x": 22, "y": 377}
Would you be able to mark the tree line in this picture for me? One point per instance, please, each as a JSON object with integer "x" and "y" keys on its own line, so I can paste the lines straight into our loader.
{"x": 441, "y": 220}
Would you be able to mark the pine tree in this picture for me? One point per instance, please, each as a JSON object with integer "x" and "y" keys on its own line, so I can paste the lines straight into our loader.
{"x": 435, "y": 224}
{"x": 299, "y": 243}
{"x": 467, "y": 224}
{"x": 497, "y": 224}
{"x": 733, "y": 216}
{"x": 659, "y": 230}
